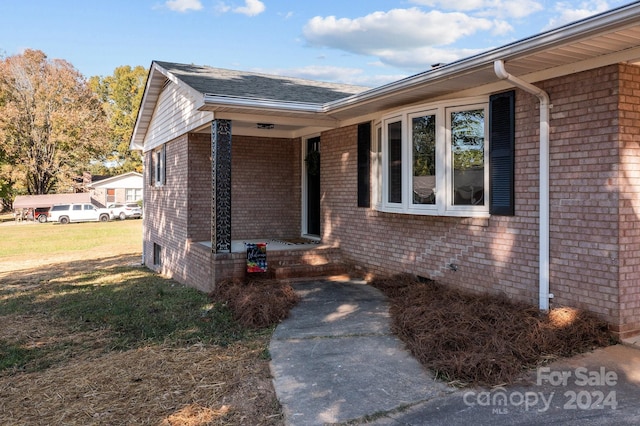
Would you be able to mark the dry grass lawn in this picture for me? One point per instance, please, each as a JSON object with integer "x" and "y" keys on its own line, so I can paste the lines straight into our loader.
{"x": 89, "y": 337}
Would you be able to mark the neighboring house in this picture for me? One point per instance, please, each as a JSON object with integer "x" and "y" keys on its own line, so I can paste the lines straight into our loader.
{"x": 124, "y": 188}
{"x": 101, "y": 191}
{"x": 515, "y": 171}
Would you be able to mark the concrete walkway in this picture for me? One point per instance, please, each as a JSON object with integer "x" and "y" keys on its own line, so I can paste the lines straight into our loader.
{"x": 334, "y": 360}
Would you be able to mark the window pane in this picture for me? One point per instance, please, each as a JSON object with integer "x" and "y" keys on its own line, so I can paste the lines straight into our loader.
{"x": 467, "y": 149}
{"x": 158, "y": 167}
{"x": 395, "y": 162}
{"x": 424, "y": 159}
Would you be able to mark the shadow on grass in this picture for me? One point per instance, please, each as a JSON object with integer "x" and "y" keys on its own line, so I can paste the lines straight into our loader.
{"x": 29, "y": 276}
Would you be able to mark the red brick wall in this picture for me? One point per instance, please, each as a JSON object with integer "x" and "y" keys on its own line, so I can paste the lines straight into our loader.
{"x": 166, "y": 212}
{"x": 584, "y": 193}
{"x": 266, "y": 187}
{"x": 265, "y": 201}
{"x": 495, "y": 255}
{"x": 199, "y": 188}
{"x": 629, "y": 183}
{"x": 500, "y": 254}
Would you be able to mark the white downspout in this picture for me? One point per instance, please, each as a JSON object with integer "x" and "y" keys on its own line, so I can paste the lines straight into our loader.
{"x": 545, "y": 105}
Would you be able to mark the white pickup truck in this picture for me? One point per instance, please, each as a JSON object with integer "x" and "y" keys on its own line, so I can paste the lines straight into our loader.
{"x": 84, "y": 212}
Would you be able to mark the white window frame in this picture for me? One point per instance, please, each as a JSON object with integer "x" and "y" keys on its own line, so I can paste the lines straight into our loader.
{"x": 132, "y": 194}
{"x": 444, "y": 168}
{"x": 159, "y": 166}
{"x": 386, "y": 204}
{"x": 376, "y": 168}
{"x": 431, "y": 209}
{"x": 467, "y": 210}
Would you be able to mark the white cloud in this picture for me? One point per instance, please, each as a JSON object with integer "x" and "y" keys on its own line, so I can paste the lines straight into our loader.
{"x": 394, "y": 31}
{"x": 420, "y": 58}
{"x": 566, "y": 12}
{"x": 487, "y": 8}
{"x": 501, "y": 28}
{"x": 183, "y": 5}
{"x": 221, "y": 7}
{"x": 251, "y": 8}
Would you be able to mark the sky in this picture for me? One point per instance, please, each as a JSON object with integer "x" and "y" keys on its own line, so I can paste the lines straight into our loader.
{"x": 363, "y": 42}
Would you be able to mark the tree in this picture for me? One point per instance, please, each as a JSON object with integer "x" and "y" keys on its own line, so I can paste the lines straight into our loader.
{"x": 121, "y": 95}
{"x": 51, "y": 123}
{"x": 424, "y": 145}
{"x": 467, "y": 139}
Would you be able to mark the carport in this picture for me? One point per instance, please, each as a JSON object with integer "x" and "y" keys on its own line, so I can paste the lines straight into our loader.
{"x": 25, "y": 203}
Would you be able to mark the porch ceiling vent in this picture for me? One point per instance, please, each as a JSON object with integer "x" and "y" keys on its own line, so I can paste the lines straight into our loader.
{"x": 265, "y": 126}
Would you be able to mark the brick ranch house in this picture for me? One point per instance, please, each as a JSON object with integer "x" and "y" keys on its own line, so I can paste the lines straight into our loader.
{"x": 515, "y": 171}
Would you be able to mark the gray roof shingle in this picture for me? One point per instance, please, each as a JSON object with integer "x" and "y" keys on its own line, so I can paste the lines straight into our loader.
{"x": 223, "y": 82}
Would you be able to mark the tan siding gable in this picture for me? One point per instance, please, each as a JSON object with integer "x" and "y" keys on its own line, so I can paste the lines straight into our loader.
{"x": 175, "y": 114}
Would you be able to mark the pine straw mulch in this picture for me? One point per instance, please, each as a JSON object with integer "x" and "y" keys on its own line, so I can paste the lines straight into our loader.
{"x": 484, "y": 340}
{"x": 155, "y": 385}
{"x": 256, "y": 303}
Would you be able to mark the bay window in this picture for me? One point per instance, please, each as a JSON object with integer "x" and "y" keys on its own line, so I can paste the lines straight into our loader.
{"x": 434, "y": 160}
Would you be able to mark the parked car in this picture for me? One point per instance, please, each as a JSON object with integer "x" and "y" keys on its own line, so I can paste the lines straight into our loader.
{"x": 84, "y": 212}
{"x": 125, "y": 211}
{"x": 41, "y": 214}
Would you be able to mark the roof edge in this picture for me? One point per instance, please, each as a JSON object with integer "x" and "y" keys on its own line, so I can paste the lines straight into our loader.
{"x": 238, "y": 101}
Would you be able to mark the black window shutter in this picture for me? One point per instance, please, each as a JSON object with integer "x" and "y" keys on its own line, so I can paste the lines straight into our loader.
{"x": 364, "y": 164}
{"x": 501, "y": 153}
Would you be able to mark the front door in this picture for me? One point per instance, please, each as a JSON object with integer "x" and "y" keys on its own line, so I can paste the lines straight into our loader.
{"x": 312, "y": 163}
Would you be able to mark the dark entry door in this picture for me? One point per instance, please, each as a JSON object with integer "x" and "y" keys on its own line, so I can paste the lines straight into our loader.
{"x": 313, "y": 186}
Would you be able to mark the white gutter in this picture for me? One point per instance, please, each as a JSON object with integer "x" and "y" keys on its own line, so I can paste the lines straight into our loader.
{"x": 237, "y": 101}
{"x": 545, "y": 106}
